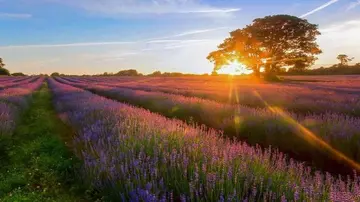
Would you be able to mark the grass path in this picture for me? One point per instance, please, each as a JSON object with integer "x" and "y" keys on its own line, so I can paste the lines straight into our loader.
{"x": 40, "y": 167}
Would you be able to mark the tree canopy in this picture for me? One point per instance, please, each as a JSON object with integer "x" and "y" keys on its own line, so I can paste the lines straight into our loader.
{"x": 344, "y": 59}
{"x": 55, "y": 74}
{"x": 129, "y": 72}
{"x": 156, "y": 73}
{"x": 271, "y": 42}
{"x": 4, "y": 71}
{"x": 18, "y": 74}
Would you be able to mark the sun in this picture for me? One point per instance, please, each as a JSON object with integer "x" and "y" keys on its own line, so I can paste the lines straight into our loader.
{"x": 234, "y": 68}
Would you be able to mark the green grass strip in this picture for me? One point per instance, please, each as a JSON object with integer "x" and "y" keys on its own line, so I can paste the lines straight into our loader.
{"x": 39, "y": 165}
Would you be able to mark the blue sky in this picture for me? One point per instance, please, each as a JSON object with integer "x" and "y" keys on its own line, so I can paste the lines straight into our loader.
{"x": 93, "y": 36}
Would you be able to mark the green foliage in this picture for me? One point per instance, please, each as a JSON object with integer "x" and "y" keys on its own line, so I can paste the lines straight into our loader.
{"x": 344, "y": 59}
{"x": 4, "y": 71}
{"x": 270, "y": 42}
{"x": 55, "y": 74}
{"x": 130, "y": 72}
{"x": 38, "y": 166}
{"x": 18, "y": 74}
{"x": 156, "y": 73}
{"x": 333, "y": 70}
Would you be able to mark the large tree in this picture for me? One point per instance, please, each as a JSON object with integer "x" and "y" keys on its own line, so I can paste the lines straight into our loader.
{"x": 271, "y": 42}
{"x": 344, "y": 59}
{"x": 241, "y": 47}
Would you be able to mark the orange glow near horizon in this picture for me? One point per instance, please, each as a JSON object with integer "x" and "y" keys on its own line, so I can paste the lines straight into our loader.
{"x": 234, "y": 68}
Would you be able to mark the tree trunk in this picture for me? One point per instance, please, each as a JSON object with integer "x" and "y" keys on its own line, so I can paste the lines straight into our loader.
{"x": 270, "y": 73}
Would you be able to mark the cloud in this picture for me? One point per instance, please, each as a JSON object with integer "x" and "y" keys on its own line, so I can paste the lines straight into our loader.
{"x": 341, "y": 27}
{"x": 166, "y": 39}
{"x": 228, "y": 10}
{"x": 146, "y": 7}
{"x": 67, "y": 45}
{"x": 15, "y": 15}
{"x": 198, "y": 31}
{"x": 175, "y": 46}
{"x": 160, "y": 45}
{"x": 176, "y": 41}
{"x": 353, "y": 5}
{"x": 341, "y": 37}
{"x": 319, "y": 8}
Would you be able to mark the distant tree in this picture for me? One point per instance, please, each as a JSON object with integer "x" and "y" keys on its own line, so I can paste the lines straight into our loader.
{"x": 2, "y": 65}
{"x": 4, "y": 71}
{"x": 129, "y": 72}
{"x": 55, "y": 74}
{"x": 270, "y": 42}
{"x": 173, "y": 74}
{"x": 344, "y": 59}
{"x": 18, "y": 74}
{"x": 156, "y": 73}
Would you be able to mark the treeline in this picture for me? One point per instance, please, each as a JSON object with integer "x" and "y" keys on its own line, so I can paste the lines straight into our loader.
{"x": 133, "y": 72}
{"x": 337, "y": 69}
{"x": 6, "y": 72}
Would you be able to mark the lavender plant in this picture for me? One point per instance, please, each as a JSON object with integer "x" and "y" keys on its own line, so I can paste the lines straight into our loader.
{"x": 133, "y": 154}
{"x": 256, "y": 126}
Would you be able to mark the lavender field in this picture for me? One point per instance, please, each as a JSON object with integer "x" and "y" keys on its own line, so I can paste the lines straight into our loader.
{"x": 178, "y": 139}
{"x": 310, "y": 136}
{"x": 14, "y": 98}
{"x": 179, "y": 101}
{"x": 135, "y": 154}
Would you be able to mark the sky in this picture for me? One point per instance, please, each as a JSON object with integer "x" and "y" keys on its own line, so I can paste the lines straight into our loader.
{"x": 96, "y": 36}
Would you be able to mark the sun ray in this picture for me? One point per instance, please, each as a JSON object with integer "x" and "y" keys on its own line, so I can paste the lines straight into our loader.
{"x": 310, "y": 137}
{"x": 234, "y": 68}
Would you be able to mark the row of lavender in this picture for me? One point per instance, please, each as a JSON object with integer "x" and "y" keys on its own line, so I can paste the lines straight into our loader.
{"x": 137, "y": 155}
{"x": 12, "y": 79}
{"x": 13, "y": 101}
{"x": 294, "y": 97}
{"x": 14, "y": 82}
{"x": 302, "y": 136}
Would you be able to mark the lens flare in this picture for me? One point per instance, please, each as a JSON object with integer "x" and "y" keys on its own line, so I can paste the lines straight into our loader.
{"x": 309, "y": 136}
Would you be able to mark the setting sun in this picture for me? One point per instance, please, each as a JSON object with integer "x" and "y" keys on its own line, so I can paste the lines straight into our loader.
{"x": 234, "y": 68}
{"x": 179, "y": 100}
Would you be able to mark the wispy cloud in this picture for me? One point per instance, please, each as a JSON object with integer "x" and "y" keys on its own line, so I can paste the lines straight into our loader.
{"x": 68, "y": 45}
{"x": 146, "y": 7}
{"x": 319, "y": 8}
{"x": 227, "y": 10}
{"x": 182, "y": 45}
{"x": 176, "y": 41}
{"x": 340, "y": 27}
{"x": 159, "y": 45}
{"x": 192, "y": 32}
{"x": 165, "y": 39}
{"x": 15, "y": 15}
{"x": 353, "y": 5}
